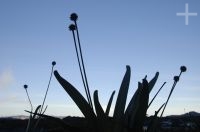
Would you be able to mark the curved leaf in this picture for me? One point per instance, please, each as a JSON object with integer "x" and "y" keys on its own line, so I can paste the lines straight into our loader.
{"x": 153, "y": 81}
{"x": 99, "y": 109}
{"x": 109, "y": 103}
{"x": 133, "y": 105}
{"x": 122, "y": 95}
{"x": 138, "y": 119}
{"x": 76, "y": 96}
{"x": 36, "y": 111}
{"x": 136, "y": 110}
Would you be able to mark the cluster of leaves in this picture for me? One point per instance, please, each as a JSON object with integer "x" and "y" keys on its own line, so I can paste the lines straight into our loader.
{"x": 125, "y": 119}
{"x": 130, "y": 119}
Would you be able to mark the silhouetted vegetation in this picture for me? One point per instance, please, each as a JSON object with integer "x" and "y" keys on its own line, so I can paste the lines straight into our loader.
{"x": 176, "y": 123}
{"x": 125, "y": 119}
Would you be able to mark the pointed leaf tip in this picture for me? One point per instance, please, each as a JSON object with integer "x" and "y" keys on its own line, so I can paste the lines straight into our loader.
{"x": 122, "y": 95}
{"x": 157, "y": 73}
{"x": 109, "y": 103}
{"x": 128, "y": 67}
{"x": 76, "y": 96}
{"x": 98, "y": 107}
{"x": 55, "y": 72}
{"x": 153, "y": 81}
{"x": 96, "y": 92}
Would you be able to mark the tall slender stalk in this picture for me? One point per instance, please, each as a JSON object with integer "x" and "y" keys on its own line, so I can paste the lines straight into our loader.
{"x": 74, "y": 18}
{"x": 173, "y": 86}
{"x": 176, "y": 79}
{"x": 53, "y": 64}
{"x": 29, "y": 121}
{"x": 41, "y": 110}
{"x": 72, "y": 28}
{"x": 156, "y": 94}
{"x": 88, "y": 90}
{"x": 25, "y": 87}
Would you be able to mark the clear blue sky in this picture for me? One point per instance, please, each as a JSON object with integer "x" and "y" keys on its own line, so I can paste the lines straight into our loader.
{"x": 148, "y": 36}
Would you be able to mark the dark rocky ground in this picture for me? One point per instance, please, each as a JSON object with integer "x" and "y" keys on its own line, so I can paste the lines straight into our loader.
{"x": 189, "y": 122}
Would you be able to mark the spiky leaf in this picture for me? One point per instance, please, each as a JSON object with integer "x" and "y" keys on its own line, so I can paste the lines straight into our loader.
{"x": 153, "y": 81}
{"x": 122, "y": 95}
{"x": 109, "y": 103}
{"x": 132, "y": 106}
{"x": 76, "y": 96}
{"x": 139, "y": 118}
{"x": 99, "y": 109}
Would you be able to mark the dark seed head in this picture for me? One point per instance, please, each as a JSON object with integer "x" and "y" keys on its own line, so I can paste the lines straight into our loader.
{"x": 25, "y": 86}
{"x": 53, "y": 63}
{"x": 183, "y": 69}
{"x": 72, "y": 27}
{"x": 176, "y": 78}
{"x": 74, "y": 17}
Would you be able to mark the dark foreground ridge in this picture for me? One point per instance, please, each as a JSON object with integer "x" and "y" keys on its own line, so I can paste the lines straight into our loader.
{"x": 188, "y": 122}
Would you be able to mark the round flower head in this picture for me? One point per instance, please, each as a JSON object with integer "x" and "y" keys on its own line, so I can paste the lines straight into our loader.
{"x": 25, "y": 86}
{"x": 176, "y": 78}
{"x": 74, "y": 17}
{"x": 53, "y": 63}
{"x": 72, "y": 27}
{"x": 183, "y": 69}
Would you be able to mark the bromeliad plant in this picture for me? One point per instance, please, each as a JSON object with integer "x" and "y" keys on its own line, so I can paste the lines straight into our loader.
{"x": 124, "y": 119}
{"x": 130, "y": 119}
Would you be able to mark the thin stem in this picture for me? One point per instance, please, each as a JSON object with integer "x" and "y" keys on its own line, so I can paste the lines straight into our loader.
{"x": 36, "y": 124}
{"x": 42, "y": 113}
{"x": 29, "y": 122}
{"x": 29, "y": 99}
{"x": 30, "y": 117}
{"x": 175, "y": 82}
{"x": 156, "y": 94}
{"x": 180, "y": 74}
{"x": 80, "y": 66}
{"x": 90, "y": 101}
{"x": 168, "y": 97}
{"x": 47, "y": 90}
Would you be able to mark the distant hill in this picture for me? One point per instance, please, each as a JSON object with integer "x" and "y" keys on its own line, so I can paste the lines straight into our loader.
{"x": 191, "y": 113}
{"x": 22, "y": 117}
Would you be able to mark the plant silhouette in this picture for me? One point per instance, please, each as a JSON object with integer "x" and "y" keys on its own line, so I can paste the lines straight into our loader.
{"x": 124, "y": 119}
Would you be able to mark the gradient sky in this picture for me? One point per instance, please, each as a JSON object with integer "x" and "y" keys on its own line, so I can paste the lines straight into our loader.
{"x": 147, "y": 35}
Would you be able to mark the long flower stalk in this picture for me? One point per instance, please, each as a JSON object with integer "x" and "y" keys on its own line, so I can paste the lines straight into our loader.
{"x": 25, "y": 87}
{"x": 156, "y": 94}
{"x": 74, "y": 18}
{"x": 176, "y": 79}
{"x": 53, "y": 64}
{"x": 41, "y": 109}
{"x": 72, "y": 27}
{"x": 81, "y": 55}
{"x": 173, "y": 86}
{"x": 29, "y": 121}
